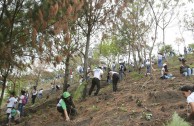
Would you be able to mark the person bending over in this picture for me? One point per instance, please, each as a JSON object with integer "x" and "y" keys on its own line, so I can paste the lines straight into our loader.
{"x": 66, "y": 106}
{"x": 187, "y": 92}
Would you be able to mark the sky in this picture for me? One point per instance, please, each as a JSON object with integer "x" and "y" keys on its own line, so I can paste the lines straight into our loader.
{"x": 172, "y": 31}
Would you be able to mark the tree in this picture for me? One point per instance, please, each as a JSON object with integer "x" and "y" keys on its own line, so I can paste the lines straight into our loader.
{"x": 54, "y": 29}
{"x": 95, "y": 14}
{"x": 14, "y": 41}
{"x": 166, "y": 49}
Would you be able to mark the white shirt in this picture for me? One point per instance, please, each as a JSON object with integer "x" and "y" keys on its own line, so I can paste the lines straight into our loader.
{"x": 190, "y": 98}
{"x": 159, "y": 56}
{"x": 21, "y": 97}
{"x": 112, "y": 72}
{"x": 162, "y": 71}
{"x": 11, "y": 103}
{"x": 97, "y": 73}
{"x": 58, "y": 104}
{"x": 34, "y": 92}
{"x": 40, "y": 91}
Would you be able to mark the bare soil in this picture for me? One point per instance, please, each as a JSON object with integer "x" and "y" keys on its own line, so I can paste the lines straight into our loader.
{"x": 130, "y": 106}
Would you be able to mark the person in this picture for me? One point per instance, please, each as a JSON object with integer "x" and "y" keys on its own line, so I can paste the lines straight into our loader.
{"x": 15, "y": 115}
{"x": 21, "y": 105}
{"x": 160, "y": 57}
{"x": 165, "y": 73}
{"x": 34, "y": 94}
{"x": 121, "y": 71}
{"x": 97, "y": 72}
{"x": 185, "y": 51}
{"x": 113, "y": 66}
{"x": 187, "y": 92}
{"x": 185, "y": 70}
{"x": 115, "y": 78}
{"x": 40, "y": 93}
{"x": 180, "y": 58}
{"x": 66, "y": 106}
{"x": 148, "y": 67}
{"x": 10, "y": 104}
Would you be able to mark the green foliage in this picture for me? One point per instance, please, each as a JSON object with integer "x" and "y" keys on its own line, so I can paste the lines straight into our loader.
{"x": 136, "y": 75}
{"x": 166, "y": 48}
{"x": 177, "y": 121}
{"x": 191, "y": 45}
{"x": 78, "y": 93}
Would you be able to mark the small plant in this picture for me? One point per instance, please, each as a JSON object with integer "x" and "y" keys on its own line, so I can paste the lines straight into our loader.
{"x": 139, "y": 103}
{"x": 177, "y": 121}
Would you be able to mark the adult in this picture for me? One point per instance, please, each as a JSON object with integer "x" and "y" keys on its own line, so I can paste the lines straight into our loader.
{"x": 34, "y": 94}
{"x": 21, "y": 105}
{"x": 185, "y": 70}
{"x": 97, "y": 72}
{"x": 165, "y": 73}
{"x": 187, "y": 92}
{"x": 160, "y": 57}
{"x": 148, "y": 67}
{"x": 115, "y": 78}
{"x": 40, "y": 93}
{"x": 66, "y": 106}
{"x": 10, "y": 104}
{"x": 122, "y": 70}
{"x": 113, "y": 66}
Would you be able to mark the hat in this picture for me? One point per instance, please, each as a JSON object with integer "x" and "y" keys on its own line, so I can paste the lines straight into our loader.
{"x": 66, "y": 94}
{"x": 164, "y": 64}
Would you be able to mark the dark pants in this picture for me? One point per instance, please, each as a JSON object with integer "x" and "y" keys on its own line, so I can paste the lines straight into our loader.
{"x": 115, "y": 79}
{"x": 20, "y": 108}
{"x": 33, "y": 99}
{"x": 95, "y": 82}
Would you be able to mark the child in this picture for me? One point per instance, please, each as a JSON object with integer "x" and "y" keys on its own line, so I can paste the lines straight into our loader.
{"x": 14, "y": 115}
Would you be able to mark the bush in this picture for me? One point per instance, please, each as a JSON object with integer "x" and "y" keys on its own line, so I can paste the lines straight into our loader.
{"x": 177, "y": 121}
{"x": 78, "y": 93}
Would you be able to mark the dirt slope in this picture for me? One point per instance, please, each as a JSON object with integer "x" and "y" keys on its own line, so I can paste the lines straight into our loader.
{"x": 148, "y": 101}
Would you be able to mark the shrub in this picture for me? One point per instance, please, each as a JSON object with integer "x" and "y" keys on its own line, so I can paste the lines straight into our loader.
{"x": 177, "y": 121}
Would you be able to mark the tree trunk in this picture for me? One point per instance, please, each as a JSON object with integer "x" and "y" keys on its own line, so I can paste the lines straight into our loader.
{"x": 86, "y": 64}
{"x": 66, "y": 78}
{"x": 3, "y": 89}
{"x": 129, "y": 56}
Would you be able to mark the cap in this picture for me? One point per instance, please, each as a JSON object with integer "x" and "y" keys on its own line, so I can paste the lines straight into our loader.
{"x": 66, "y": 94}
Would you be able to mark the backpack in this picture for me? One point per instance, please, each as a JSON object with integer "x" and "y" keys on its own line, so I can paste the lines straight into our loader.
{"x": 125, "y": 68}
{"x": 24, "y": 100}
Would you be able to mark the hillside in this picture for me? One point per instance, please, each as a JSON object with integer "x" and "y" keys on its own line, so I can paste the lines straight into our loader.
{"x": 140, "y": 101}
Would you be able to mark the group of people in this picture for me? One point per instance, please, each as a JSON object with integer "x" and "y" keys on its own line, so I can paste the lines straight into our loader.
{"x": 65, "y": 104}
{"x": 15, "y": 106}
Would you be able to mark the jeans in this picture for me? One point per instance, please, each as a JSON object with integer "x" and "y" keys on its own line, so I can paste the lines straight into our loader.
{"x": 160, "y": 63}
{"x": 20, "y": 108}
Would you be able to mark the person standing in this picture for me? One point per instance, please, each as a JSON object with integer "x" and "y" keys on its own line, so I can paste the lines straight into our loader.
{"x": 96, "y": 80}
{"x": 115, "y": 78}
{"x": 34, "y": 94}
{"x": 160, "y": 57}
{"x": 21, "y": 105}
{"x": 10, "y": 104}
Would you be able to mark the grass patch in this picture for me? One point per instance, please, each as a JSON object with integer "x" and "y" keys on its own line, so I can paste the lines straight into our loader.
{"x": 136, "y": 75}
{"x": 79, "y": 91}
{"x": 177, "y": 121}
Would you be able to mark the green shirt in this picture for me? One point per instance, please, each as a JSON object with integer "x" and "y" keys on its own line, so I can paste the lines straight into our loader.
{"x": 62, "y": 103}
{"x": 13, "y": 112}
